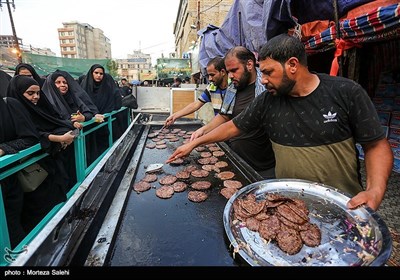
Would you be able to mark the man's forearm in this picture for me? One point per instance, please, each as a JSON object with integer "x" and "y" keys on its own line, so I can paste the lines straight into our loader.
{"x": 378, "y": 164}
{"x": 192, "y": 107}
{"x": 221, "y": 133}
{"x": 215, "y": 122}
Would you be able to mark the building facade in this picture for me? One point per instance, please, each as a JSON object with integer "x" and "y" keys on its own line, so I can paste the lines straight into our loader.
{"x": 136, "y": 67}
{"x": 7, "y": 41}
{"x": 40, "y": 51}
{"x": 194, "y": 15}
{"x": 81, "y": 40}
{"x": 8, "y": 51}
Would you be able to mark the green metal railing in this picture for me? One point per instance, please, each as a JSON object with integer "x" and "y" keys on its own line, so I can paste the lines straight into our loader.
{"x": 82, "y": 170}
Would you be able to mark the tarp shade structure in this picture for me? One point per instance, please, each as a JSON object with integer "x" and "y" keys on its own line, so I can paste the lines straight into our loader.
{"x": 213, "y": 43}
{"x": 45, "y": 65}
{"x": 261, "y": 20}
{"x": 311, "y": 10}
{"x": 379, "y": 24}
{"x": 245, "y": 30}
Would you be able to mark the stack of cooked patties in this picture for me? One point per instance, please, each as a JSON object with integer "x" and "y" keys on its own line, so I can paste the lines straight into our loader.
{"x": 278, "y": 218}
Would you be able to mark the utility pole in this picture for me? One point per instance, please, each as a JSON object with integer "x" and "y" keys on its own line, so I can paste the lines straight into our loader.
{"x": 198, "y": 16}
{"x": 16, "y": 43}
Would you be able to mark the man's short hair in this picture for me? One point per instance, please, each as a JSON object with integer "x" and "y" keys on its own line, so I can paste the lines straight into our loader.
{"x": 282, "y": 47}
{"x": 218, "y": 63}
{"x": 242, "y": 54}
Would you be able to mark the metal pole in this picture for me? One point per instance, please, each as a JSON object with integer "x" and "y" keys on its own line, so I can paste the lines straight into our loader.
{"x": 19, "y": 57}
{"x": 338, "y": 35}
{"x": 198, "y": 16}
{"x": 240, "y": 29}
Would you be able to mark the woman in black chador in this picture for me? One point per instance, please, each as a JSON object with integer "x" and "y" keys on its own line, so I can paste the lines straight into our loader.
{"x": 56, "y": 138}
{"x": 17, "y": 132}
{"x": 101, "y": 88}
{"x": 63, "y": 92}
{"x": 28, "y": 70}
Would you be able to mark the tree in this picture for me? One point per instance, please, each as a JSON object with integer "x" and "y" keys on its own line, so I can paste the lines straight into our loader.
{"x": 112, "y": 68}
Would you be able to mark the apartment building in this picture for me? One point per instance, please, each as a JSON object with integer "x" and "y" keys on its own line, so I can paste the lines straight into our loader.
{"x": 81, "y": 40}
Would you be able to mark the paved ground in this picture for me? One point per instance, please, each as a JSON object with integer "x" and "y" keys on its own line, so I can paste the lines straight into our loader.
{"x": 390, "y": 213}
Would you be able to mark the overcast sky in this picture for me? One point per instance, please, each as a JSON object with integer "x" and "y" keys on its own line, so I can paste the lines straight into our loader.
{"x": 129, "y": 24}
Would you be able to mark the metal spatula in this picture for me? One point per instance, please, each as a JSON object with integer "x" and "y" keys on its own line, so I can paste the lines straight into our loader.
{"x": 154, "y": 167}
{"x": 158, "y": 132}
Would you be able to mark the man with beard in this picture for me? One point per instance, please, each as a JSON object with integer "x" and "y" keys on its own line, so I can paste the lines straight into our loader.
{"x": 253, "y": 146}
{"x": 314, "y": 121}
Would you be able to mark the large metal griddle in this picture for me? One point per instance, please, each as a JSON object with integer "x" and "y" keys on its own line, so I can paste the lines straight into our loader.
{"x": 176, "y": 231}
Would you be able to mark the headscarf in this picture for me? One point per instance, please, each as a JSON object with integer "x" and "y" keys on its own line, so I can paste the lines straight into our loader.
{"x": 45, "y": 117}
{"x": 70, "y": 102}
{"x": 101, "y": 93}
{"x": 35, "y": 75}
{"x": 4, "y": 81}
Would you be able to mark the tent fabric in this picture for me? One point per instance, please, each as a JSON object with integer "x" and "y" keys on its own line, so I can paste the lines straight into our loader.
{"x": 382, "y": 18}
{"x": 261, "y": 20}
{"x": 277, "y": 18}
{"x": 213, "y": 43}
{"x": 378, "y": 24}
{"x": 243, "y": 23}
{"x": 311, "y": 10}
{"x": 45, "y": 65}
{"x": 246, "y": 30}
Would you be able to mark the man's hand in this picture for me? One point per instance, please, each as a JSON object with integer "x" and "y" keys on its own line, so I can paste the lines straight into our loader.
{"x": 369, "y": 198}
{"x": 170, "y": 120}
{"x": 198, "y": 133}
{"x": 180, "y": 152}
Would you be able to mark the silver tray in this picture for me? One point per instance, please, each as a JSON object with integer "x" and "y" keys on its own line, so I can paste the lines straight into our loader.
{"x": 348, "y": 237}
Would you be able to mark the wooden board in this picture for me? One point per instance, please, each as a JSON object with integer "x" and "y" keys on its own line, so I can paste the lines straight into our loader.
{"x": 181, "y": 98}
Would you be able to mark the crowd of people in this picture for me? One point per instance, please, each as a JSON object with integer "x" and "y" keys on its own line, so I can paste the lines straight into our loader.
{"x": 50, "y": 111}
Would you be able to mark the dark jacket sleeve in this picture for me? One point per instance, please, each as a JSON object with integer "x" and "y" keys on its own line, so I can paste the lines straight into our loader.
{"x": 117, "y": 99}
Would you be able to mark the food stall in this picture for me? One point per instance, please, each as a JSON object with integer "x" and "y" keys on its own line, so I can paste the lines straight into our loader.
{"x": 111, "y": 221}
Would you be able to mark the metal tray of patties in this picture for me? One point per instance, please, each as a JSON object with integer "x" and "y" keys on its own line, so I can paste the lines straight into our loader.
{"x": 348, "y": 237}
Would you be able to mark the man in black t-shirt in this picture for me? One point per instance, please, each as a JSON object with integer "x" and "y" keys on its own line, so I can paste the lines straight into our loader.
{"x": 253, "y": 146}
{"x": 314, "y": 121}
